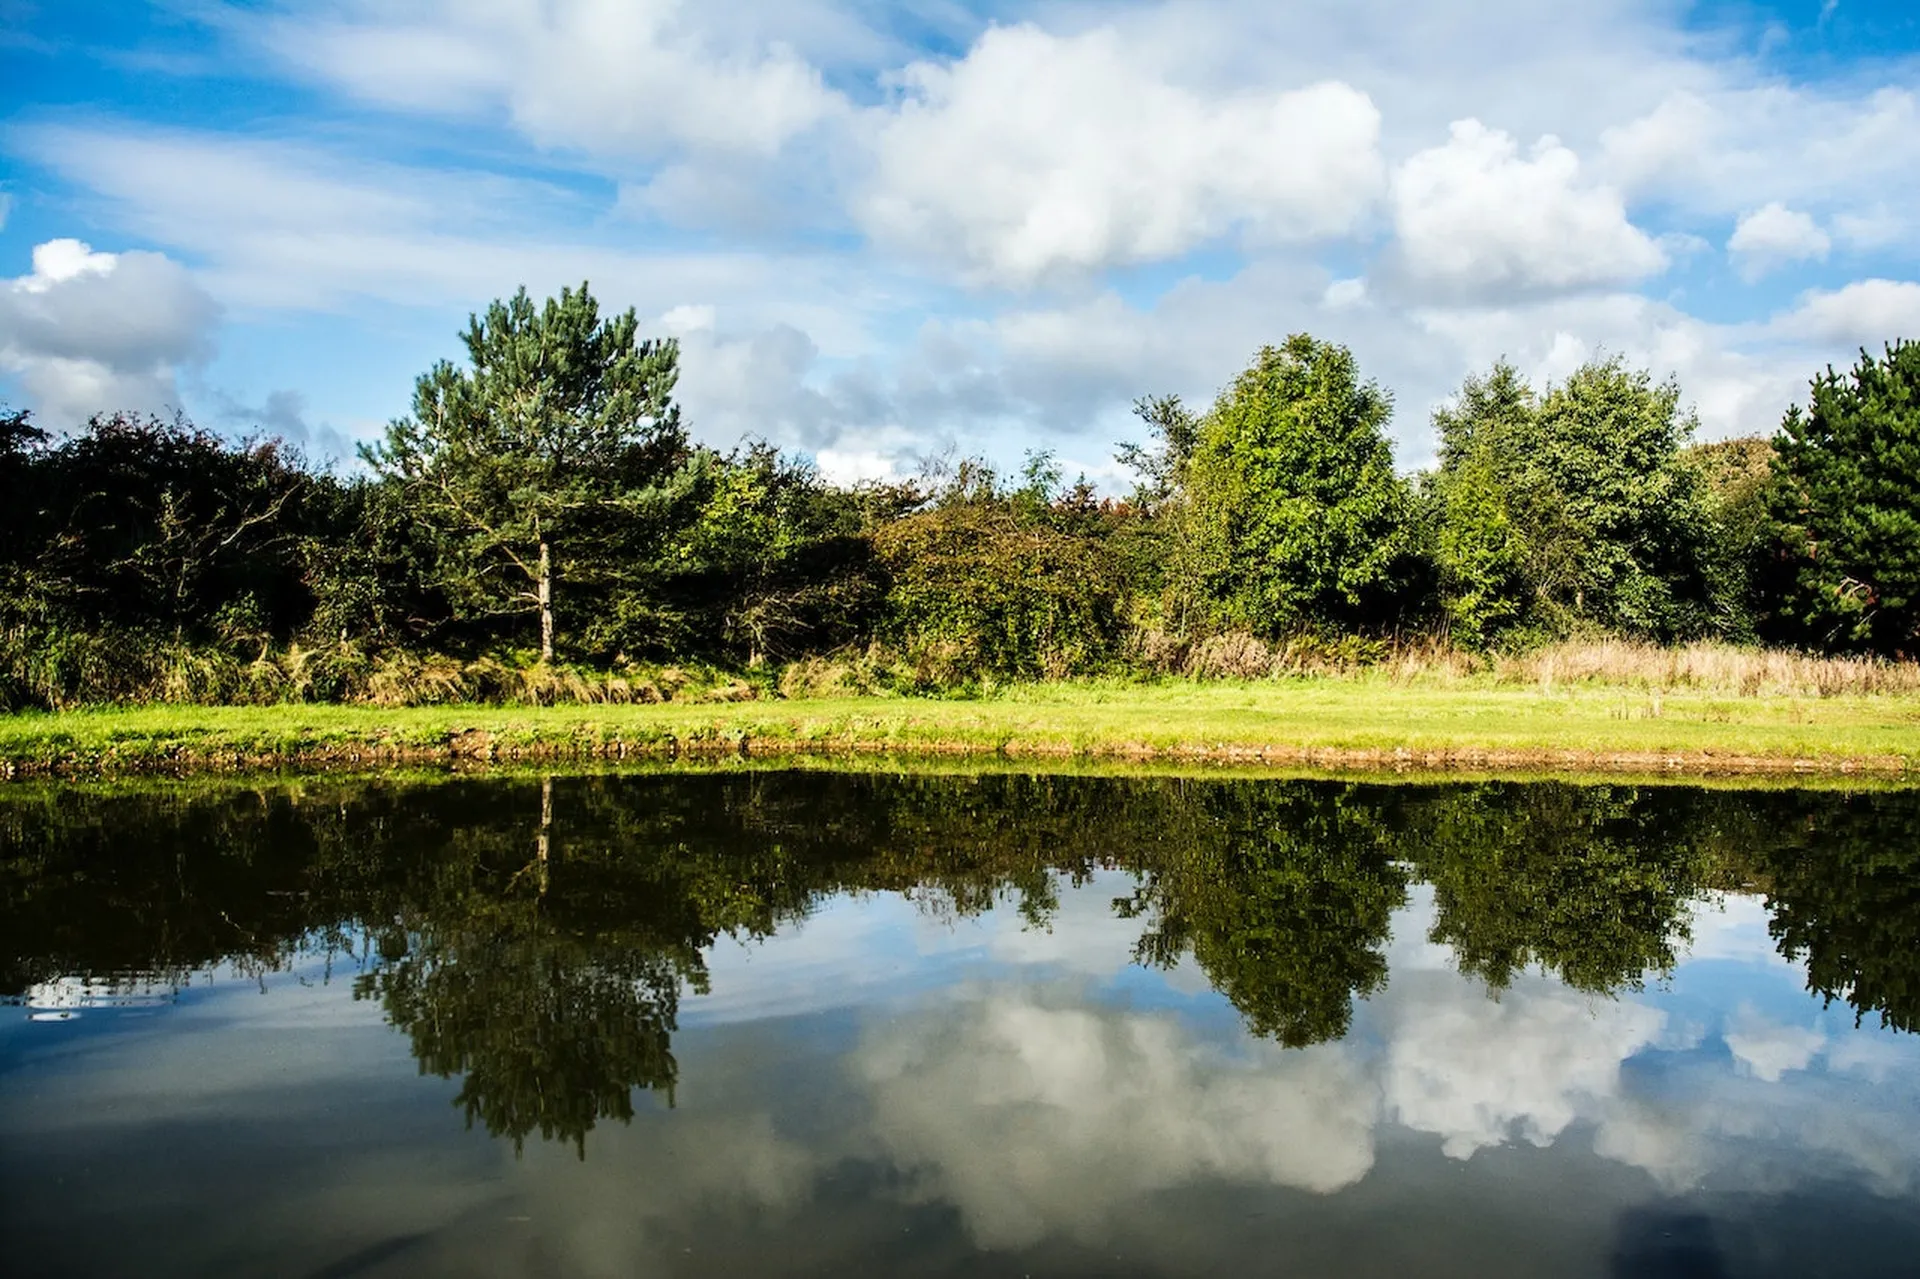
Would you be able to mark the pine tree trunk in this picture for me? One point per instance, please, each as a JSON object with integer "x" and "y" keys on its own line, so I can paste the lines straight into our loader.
{"x": 546, "y": 604}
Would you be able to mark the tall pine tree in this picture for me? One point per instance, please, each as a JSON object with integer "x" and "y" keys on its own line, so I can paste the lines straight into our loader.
{"x": 562, "y": 426}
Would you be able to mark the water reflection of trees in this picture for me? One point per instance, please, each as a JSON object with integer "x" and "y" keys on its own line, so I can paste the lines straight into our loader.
{"x": 1588, "y": 883}
{"x": 1283, "y": 894}
{"x": 1843, "y": 881}
{"x": 533, "y": 940}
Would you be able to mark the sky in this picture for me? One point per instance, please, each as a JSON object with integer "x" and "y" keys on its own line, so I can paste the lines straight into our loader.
{"x": 882, "y": 231}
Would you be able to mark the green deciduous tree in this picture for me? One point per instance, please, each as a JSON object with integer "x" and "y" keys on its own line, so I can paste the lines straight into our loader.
{"x": 1846, "y": 494}
{"x": 1295, "y": 518}
{"x": 1573, "y": 509}
{"x": 563, "y": 424}
{"x": 1284, "y": 894}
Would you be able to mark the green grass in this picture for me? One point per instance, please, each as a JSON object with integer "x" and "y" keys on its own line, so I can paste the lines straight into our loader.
{"x": 1334, "y": 722}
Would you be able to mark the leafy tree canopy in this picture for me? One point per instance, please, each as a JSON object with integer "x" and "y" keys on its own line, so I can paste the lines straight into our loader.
{"x": 1572, "y": 509}
{"x": 1297, "y": 519}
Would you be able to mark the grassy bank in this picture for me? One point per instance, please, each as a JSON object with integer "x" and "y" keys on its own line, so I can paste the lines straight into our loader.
{"x": 1333, "y": 722}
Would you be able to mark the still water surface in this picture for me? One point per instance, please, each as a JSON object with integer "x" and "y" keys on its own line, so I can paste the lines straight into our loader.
{"x": 818, "y": 1023}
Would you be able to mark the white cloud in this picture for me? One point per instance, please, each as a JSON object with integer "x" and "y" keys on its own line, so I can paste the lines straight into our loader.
{"x": 1774, "y": 236}
{"x": 89, "y": 332}
{"x": 615, "y": 77}
{"x": 1034, "y": 1120}
{"x": 1739, "y": 378}
{"x": 1343, "y": 295}
{"x": 1477, "y": 219}
{"x": 1037, "y": 153}
{"x": 767, "y": 385}
{"x": 284, "y": 226}
{"x": 1767, "y": 1048}
{"x": 1866, "y": 312}
{"x": 1479, "y": 1073}
{"x": 1036, "y": 158}
{"x": 1741, "y": 142}
{"x": 1874, "y": 227}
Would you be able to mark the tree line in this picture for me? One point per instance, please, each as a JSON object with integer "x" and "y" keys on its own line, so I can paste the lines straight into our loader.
{"x": 543, "y": 505}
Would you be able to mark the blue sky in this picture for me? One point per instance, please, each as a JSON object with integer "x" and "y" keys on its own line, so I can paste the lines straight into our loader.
{"x": 882, "y": 230}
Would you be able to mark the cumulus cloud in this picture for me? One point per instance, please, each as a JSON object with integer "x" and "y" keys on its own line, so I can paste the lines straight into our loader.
{"x": 89, "y": 332}
{"x": 1773, "y": 236}
{"x": 1036, "y": 157}
{"x": 283, "y": 415}
{"x": 620, "y": 77}
{"x": 1740, "y": 378}
{"x": 1037, "y": 1120}
{"x": 1866, "y": 312}
{"x": 767, "y": 385}
{"x": 1036, "y": 153}
{"x": 1475, "y": 219}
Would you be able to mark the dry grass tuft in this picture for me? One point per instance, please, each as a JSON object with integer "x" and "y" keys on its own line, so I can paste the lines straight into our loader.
{"x": 1707, "y": 668}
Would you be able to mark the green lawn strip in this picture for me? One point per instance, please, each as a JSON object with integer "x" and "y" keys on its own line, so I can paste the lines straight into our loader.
{"x": 1227, "y": 720}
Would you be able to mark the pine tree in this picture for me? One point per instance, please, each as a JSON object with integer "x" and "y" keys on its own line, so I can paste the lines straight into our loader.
{"x": 1846, "y": 494}
{"x": 561, "y": 423}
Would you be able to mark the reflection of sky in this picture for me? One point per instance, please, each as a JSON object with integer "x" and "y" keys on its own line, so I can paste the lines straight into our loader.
{"x": 890, "y": 1074}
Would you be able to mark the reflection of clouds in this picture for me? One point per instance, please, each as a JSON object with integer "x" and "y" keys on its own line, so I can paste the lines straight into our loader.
{"x": 1083, "y": 936}
{"x": 1746, "y": 1134}
{"x": 1872, "y": 1056}
{"x": 1036, "y": 1113}
{"x": 1477, "y": 1073}
{"x": 630, "y": 1202}
{"x": 850, "y": 949}
{"x": 1767, "y": 1048}
{"x": 1410, "y": 947}
{"x": 1733, "y": 926}
{"x": 1017, "y": 1092}
{"x": 1033, "y": 1118}
{"x": 177, "y": 1061}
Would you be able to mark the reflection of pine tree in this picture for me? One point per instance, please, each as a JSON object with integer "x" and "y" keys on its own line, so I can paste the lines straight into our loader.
{"x": 550, "y": 1016}
{"x": 549, "y": 1032}
{"x": 1284, "y": 893}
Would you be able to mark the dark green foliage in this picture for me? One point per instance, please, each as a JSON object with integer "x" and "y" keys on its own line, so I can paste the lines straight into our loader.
{"x": 777, "y": 563}
{"x": 543, "y": 502}
{"x": 1572, "y": 510}
{"x": 1734, "y": 479}
{"x": 136, "y": 544}
{"x": 1294, "y": 517}
{"x": 159, "y": 526}
{"x": 1846, "y": 495}
{"x": 1843, "y": 880}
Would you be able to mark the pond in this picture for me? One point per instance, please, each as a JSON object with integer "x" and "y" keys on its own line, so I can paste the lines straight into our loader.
{"x": 817, "y": 1022}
